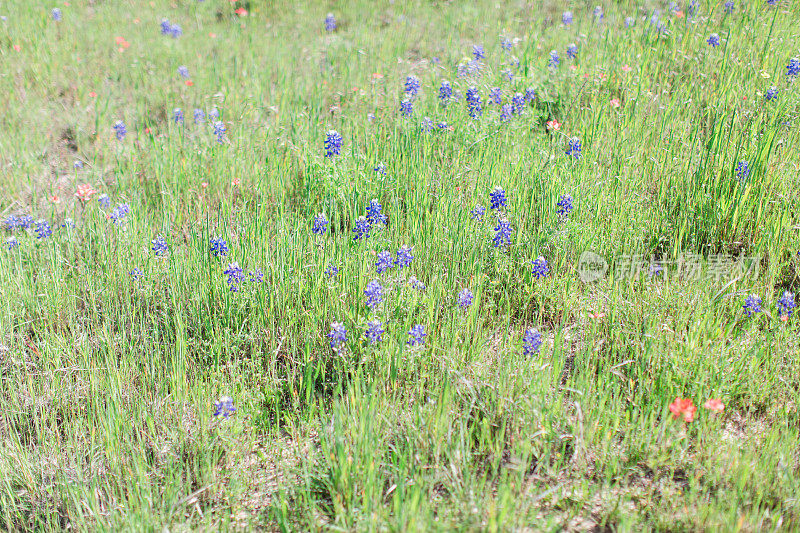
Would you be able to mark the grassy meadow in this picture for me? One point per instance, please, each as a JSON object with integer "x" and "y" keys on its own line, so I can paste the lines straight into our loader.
{"x": 569, "y": 304}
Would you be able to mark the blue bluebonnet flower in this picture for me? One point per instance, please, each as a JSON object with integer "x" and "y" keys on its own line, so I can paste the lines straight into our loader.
{"x": 199, "y": 116}
{"x": 508, "y": 74}
{"x": 465, "y": 299}
{"x": 629, "y": 22}
{"x": 183, "y": 71}
{"x": 159, "y": 245}
{"x": 497, "y": 198}
{"x": 256, "y": 275}
{"x": 235, "y": 276}
{"x": 655, "y": 269}
{"x": 427, "y": 125}
{"x": 374, "y": 331}
{"x": 224, "y": 407}
{"x": 477, "y": 212}
{"x": 495, "y": 96}
{"x": 574, "y": 148}
{"x": 404, "y": 257}
{"x": 412, "y": 85}
{"x": 417, "y": 335}
{"x": 505, "y": 112}
{"x": 56, "y": 14}
{"x": 384, "y": 262}
{"x": 218, "y": 246}
{"x": 442, "y": 125}
{"x": 598, "y": 13}
{"x": 374, "y": 293}
{"x": 68, "y": 223}
{"x": 502, "y": 235}
{"x": 416, "y": 284}
{"x": 572, "y": 51}
{"x": 445, "y": 92}
{"x": 361, "y": 228}
{"x": 729, "y": 6}
{"x": 530, "y": 94}
{"x": 374, "y": 214}
{"x": 337, "y": 335}
{"x": 136, "y": 274}
{"x": 177, "y": 115}
{"x": 12, "y": 242}
{"x": 713, "y": 40}
{"x": 333, "y": 143}
{"x": 518, "y": 103}
{"x": 477, "y": 51}
{"x": 752, "y": 304}
{"x": 743, "y": 170}
{"x": 554, "y": 60}
{"x": 564, "y": 205}
{"x": 330, "y": 22}
{"x": 165, "y": 26}
{"x": 175, "y": 31}
{"x": 506, "y": 44}
{"x": 380, "y": 168}
{"x": 118, "y": 215}
{"x": 771, "y": 94}
{"x": 331, "y": 270}
{"x": 78, "y": 164}
{"x": 104, "y": 200}
{"x": 406, "y": 108}
{"x": 786, "y": 304}
{"x": 120, "y": 129}
{"x": 655, "y": 18}
{"x": 540, "y": 267}
{"x": 531, "y": 342}
{"x": 474, "y": 102}
{"x": 693, "y": 8}
{"x": 772, "y": 2}
{"x": 43, "y": 229}
{"x": 566, "y": 18}
{"x": 793, "y": 67}
{"x": 219, "y": 130}
{"x": 320, "y": 224}
{"x": 214, "y": 113}
{"x": 371, "y": 117}
{"x": 19, "y": 222}
{"x": 11, "y": 222}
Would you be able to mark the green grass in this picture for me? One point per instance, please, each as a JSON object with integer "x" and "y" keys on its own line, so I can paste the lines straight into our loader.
{"x": 108, "y": 384}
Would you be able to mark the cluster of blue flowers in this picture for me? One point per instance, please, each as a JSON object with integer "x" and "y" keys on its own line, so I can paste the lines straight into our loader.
{"x": 218, "y": 246}
{"x": 333, "y": 143}
{"x": 170, "y": 29}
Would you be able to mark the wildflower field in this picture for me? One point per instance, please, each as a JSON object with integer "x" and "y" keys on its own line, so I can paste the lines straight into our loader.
{"x": 381, "y": 265}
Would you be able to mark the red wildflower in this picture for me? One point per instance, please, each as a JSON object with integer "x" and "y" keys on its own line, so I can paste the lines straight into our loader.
{"x": 85, "y": 192}
{"x": 553, "y": 125}
{"x": 17, "y": 47}
{"x": 92, "y": 94}
{"x": 714, "y": 404}
{"x": 683, "y": 407}
{"x": 242, "y": 12}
